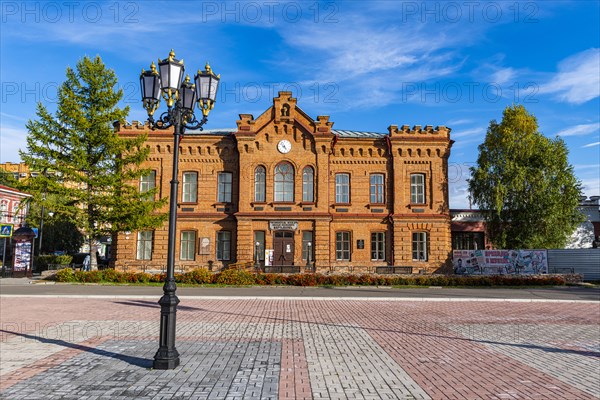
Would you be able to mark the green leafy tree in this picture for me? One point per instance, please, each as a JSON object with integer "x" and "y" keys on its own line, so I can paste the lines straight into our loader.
{"x": 7, "y": 179}
{"x": 525, "y": 184}
{"x": 89, "y": 170}
{"x": 59, "y": 232}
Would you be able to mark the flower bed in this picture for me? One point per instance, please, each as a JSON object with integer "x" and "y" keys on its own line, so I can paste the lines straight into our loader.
{"x": 242, "y": 277}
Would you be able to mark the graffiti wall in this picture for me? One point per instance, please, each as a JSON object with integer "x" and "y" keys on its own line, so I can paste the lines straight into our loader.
{"x": 500, "y": 262}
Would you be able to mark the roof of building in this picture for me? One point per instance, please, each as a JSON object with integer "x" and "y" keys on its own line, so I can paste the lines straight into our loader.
{"x": 214, "y": 132}
{"x": 357, "y": 134}
{"x": 341, "y": 133}
{"x": 7, "y": 189}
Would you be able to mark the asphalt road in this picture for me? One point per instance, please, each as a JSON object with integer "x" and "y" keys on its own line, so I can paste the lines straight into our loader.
{"x": 25, "y": 287}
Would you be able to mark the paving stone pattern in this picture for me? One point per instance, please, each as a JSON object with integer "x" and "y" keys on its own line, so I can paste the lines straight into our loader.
{"x": 301, "y": 349}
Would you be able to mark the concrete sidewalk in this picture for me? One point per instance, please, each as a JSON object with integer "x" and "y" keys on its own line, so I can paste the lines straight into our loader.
{"x": 84, "y": 348}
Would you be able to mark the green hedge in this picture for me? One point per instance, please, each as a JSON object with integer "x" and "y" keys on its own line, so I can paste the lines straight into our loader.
{"x": 41, "y": 262}
{"x": 241, "y": 277}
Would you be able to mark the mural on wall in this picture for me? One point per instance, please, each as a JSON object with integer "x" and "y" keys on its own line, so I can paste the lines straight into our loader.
{"x": 500, "y": 262}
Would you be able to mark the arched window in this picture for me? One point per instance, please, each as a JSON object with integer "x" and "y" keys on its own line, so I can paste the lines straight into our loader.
{"x": 308, "y": 184}
{"x": 260, "y": 180}
{"x": 284, "y": 182}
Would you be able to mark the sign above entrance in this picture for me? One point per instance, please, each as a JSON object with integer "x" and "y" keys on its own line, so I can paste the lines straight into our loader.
{"x": 283, "y": 225}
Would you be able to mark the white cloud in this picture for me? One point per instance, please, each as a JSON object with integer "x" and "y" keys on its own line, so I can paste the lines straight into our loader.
{"x": 479, "y": 132}
{"x": 503, "y": 76}
{"x": 591, "y": 144}
{"x": 582, "y": 129}
{"x": 11, "y": 141}
{"x": 590, "y": 187}
{"x": 455, "y": 122}
{"x": 579, "y": 167}
{"x": 577, "y": 79}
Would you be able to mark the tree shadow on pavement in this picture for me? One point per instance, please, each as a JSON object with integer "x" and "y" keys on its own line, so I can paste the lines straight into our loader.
{"x": 136, "y": 361}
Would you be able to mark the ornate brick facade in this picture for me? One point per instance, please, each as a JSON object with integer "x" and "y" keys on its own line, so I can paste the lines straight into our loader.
{"x": 374, "y": 199}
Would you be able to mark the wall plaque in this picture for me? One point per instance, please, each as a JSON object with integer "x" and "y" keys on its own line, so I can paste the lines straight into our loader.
{"x": 283, "y": 225}
{"x": 204, "y": 246}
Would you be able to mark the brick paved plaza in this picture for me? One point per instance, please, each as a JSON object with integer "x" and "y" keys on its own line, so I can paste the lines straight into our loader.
{"x": 92, "y": 348}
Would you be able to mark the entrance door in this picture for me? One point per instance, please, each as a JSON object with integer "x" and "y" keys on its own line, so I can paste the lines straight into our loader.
{"x": 283, "y": 248}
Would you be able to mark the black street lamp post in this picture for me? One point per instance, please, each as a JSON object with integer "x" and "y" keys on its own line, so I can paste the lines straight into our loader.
{"x": 308, "y": 255}
{"x": 181, "y": 96}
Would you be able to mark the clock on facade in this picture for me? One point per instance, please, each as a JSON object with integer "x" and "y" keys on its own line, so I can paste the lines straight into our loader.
{"x": 284, "y": 146}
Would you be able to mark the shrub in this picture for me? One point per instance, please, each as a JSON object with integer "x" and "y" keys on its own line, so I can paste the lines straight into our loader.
{"x": 197, "y": 276}
{"x": 79, "y": 276}
{"x": 110, "y": 275}
{"x": 365, "y": 279}
{"x": 302, "y": 280}
{"x": 90, "y": 277}
{"x": 271, "y": 279}
{"x": 143, "y": 277}
{"x": 65, "y": 275}
{"x": 158, "y": 278}
{"x": 235, "y": 277}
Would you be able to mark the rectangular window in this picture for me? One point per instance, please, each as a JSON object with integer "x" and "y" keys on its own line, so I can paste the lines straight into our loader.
{"x": 147, "y": 182}
{"x": 188, "y": 246}
{"x": 378, "y": 246}
{"x": 377, "y": 189}
{"x": 259, "y": 245}
{"x": 417, "y": 189}
{"x": 224, "y": 182}
{"x": 307, "y": 237}
{"x": 190, "y": 187}
{"x": 342, "y": 188}
{"x": 342, "y": 246}
{"x": 224, "y": 245}
{"x": 144, "y": 245}
{"x": 419, "y": 246}
{"x": 468, "y": 240}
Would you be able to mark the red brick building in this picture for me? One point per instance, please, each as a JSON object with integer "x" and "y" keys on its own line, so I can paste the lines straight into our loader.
{"x": 293, "y": 188}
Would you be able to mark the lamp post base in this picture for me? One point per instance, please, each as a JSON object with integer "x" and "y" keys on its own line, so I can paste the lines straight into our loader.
{"x": 167, "y": 356}
{"x": 170, "y": 360}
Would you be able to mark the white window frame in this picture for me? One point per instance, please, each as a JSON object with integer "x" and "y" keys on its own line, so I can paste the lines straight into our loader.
{"x": 224, "y": 187}
{"x": 417, "y": 188}
{"x": 420, "y": 246}
{"x": 223, "y": 246}
{"x": 145, "y": 241}
{"x": 190, "y": 187}
{"x": 342, "y": 188}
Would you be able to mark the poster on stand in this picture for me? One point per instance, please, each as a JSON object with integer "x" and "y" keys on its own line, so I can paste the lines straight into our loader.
{"x": 22, "y": 256}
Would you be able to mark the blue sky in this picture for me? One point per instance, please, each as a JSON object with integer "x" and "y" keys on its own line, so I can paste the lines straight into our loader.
{"x": 366, "y": 64}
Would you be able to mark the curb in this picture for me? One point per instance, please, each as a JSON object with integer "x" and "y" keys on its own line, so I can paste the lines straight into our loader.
{"x": 395, "y": 299}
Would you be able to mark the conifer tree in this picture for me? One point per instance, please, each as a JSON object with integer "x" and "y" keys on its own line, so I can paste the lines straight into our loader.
{"x": 525, "y": 185}
{"x": 90, "y": 173}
